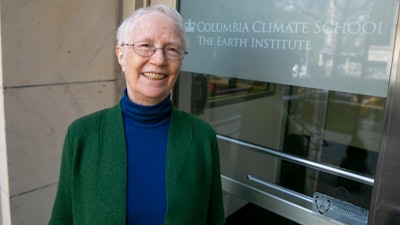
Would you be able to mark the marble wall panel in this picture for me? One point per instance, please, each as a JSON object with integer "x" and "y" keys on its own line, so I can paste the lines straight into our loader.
{"x": 53, "y": 42}
{"x": 36, "y": 123}
{"x": 5, "y": 208}
{"x": 4, "y": 188}
{"x": 33, "y": 208}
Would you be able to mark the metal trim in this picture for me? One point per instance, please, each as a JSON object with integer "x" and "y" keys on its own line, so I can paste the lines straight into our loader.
{"x": 384, "y": 208}
{"x": 274, "y": 203}
{"x": 281, "y": 189}
{"x": 301, "y": 161}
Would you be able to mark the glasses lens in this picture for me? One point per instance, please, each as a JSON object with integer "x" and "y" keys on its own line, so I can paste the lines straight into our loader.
{"x": 173, "y": 52}
{"x": 148, "y": 49}
{"x": 144, "y": 48}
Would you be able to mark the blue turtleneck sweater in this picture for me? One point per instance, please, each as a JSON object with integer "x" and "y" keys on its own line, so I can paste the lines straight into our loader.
{"x": 146, "y": 132}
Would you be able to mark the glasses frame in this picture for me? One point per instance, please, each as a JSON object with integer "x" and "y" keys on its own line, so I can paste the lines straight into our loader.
{"x": 154, "y": 49}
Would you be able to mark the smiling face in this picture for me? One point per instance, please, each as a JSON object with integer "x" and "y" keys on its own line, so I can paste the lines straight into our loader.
{"x": 149, "y": 80}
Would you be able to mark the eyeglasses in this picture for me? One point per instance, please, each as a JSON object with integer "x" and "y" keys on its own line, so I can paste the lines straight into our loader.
{"x": 147, "y": 49}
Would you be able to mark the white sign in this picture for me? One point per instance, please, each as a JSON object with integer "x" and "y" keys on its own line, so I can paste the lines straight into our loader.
{"x": 312, "y": 43}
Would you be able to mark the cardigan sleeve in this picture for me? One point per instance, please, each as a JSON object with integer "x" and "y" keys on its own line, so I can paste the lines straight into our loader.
{"x": 194, "y": 192}
{"x": 92, "y": 180}
{"x": 62, "y": 209}
{"x": 216, "y": 208}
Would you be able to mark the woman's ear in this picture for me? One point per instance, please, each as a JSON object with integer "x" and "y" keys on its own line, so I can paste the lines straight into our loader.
{"x": 119, "y": 51}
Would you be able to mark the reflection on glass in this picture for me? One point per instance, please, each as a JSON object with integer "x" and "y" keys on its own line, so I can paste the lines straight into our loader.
{"x": 335, "y": 128}
{"x": 225, "y": 90}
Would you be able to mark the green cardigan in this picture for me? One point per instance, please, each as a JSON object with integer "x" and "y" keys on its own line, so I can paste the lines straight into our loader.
{"x": 93, "y": 174}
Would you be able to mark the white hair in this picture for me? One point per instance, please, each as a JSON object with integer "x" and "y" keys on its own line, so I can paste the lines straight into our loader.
{"x": 128, "y": 25}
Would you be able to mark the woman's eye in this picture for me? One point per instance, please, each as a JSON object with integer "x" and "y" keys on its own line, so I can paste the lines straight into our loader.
{"x": 144, "y": 45}
{"x": 172, "y": 50}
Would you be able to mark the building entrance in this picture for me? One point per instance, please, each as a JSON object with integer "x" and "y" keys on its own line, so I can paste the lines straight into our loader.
{"x": 292, "y": 141}
{"x": 298, "y": 94}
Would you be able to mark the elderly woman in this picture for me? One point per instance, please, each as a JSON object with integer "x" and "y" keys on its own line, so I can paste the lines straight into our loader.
{"x": 142, "y": 161}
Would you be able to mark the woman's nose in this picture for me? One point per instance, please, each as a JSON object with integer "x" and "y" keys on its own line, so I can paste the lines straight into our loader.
{"x": 158, "y": 57}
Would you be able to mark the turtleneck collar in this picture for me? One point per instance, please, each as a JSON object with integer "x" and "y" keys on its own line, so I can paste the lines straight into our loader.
{"x": 146, "y": 116}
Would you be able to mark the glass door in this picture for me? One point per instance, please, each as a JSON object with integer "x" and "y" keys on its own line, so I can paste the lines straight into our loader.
{"x": 292, "y": 141}
{"x": 296, "y": 91}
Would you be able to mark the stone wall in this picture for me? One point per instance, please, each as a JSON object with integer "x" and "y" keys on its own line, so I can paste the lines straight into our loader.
{"x": 58, "y": 63}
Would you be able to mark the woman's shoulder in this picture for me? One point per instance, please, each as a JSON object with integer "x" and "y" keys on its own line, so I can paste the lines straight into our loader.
{"x": 187, "y": 119}
{"x": 94, "y": 119}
